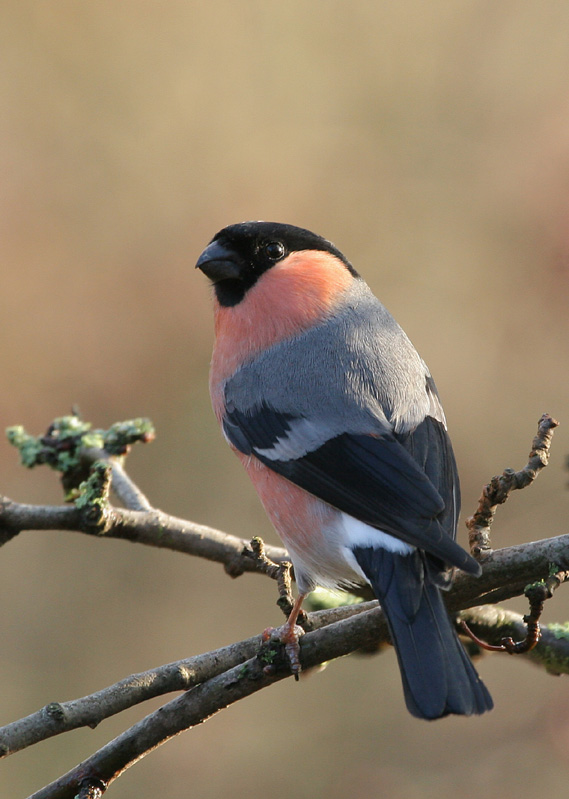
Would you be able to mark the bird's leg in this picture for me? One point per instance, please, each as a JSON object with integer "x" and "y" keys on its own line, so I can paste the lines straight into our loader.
{"x": 289, "y": 635}
{"x": 290, "y": 632}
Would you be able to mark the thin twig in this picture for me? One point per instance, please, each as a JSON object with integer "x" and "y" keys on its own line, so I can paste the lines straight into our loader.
{"x": 125, "y": 489}
{"x": 492, "y": 623}
{"x": 537, "y": 594}
{"x": 281, "y": 572}
{"x": 497, "y": 491}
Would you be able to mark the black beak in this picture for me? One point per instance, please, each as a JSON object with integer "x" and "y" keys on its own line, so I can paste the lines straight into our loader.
{"x": 219, "y": 263}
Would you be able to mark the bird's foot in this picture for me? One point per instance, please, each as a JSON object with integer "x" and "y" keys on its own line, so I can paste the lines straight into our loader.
{"x": 288, "y": 635}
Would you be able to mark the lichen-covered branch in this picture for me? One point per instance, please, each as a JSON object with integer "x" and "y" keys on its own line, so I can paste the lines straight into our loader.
{"x": 87, "y": 460}
{"x": 492, "y": 623}
{"x": 70, "y": 445}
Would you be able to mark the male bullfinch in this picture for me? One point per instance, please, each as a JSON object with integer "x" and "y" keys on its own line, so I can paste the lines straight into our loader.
{"x": 339, "y": 425}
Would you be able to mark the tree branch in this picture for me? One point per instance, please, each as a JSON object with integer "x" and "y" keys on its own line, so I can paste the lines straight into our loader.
{"x": 88, "y": 711}
{"x": 507, "y": 571}
{"x": 203, "y": 701}
{"x": 153, "y": 528}
{"x": 510, "y": 569}
{"x": 214, "y": 680}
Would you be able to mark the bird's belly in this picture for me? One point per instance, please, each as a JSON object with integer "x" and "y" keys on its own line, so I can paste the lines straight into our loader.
{"x": 312, "y": 531}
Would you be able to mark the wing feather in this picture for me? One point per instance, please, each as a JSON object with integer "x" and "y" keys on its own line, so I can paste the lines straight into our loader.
{"x": 402, "y": 485}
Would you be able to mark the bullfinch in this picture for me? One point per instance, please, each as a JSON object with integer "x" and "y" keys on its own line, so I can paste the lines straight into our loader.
{"x": 339, "y": 425}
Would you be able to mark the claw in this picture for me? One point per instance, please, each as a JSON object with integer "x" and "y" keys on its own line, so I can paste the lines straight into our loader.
{"x": 288, "y": 635}
{"x": 267, "y": 634}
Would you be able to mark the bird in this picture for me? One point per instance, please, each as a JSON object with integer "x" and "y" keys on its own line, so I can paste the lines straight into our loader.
{"x": 339, "y": 425}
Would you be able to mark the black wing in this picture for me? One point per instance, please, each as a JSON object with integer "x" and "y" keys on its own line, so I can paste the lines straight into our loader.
{"x": 405, "y": 486}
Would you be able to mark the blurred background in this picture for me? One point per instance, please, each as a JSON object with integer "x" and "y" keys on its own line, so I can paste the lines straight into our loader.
{"x": 430, "y": 142}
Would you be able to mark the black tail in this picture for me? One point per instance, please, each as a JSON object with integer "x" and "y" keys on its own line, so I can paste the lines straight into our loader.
{"x": 438, "y": 676}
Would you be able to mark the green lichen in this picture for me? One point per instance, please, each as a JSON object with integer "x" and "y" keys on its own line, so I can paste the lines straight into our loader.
{"x": 67, "y": 436}
{"x": 121, "y": 435}
{"x": 560, "y": 631}
{"x": 268, "y": 654}
{"x": 69, "y": 445}
{"x": 533, "y": 586}
{"x": 94, "y": 490}
{"x": 322, "y": 599}
{"x": 93, "y": 497}
{"x": 553, "y": 662}
{"x": 60, "y": 445}
{"x": 28, "y": 446}
{"x": 55, "y": 711}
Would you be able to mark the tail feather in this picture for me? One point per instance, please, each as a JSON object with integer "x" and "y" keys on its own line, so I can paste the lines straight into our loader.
{"x": 438, "y": 676}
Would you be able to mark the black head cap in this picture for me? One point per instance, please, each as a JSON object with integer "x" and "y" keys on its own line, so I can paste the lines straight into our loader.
{"x": 239, "y": 254}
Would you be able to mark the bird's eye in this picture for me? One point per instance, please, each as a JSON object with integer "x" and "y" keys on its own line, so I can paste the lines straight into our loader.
{"x": 274, "y": 250}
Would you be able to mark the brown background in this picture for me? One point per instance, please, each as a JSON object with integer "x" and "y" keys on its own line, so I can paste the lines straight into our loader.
{"x": 430, "y": 142}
